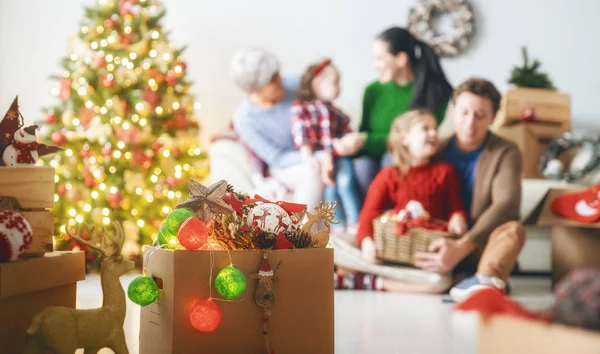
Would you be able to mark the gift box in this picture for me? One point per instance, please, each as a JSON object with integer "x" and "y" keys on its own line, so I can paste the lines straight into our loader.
{"x": 574, "y": 244}
{"x": 29, "y": 285}
{"x": 534, "y": 105}
{"x": 301, "y": 320}
{"x": 530, "y": 118}
{"x": 30, "y": 191}
{"x": 500, "y": 334}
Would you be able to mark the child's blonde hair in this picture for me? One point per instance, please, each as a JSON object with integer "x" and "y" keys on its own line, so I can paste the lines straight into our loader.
{"x": 400, "y": 128}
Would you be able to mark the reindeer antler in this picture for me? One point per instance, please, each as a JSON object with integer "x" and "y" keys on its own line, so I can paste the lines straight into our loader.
{"x": 327, "y": 211}
{"x": 118, "y": 238}
{"x": 89, "y": 244}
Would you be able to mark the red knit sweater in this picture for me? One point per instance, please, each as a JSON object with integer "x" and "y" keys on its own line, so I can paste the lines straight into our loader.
{"x": 435, "y": 186}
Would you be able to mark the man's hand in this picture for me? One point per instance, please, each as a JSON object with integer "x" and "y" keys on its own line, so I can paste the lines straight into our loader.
{"x": 367, "y": 248}
{"x": 444, "y": 254}
{"x": 457, "y": 224}
{"x": 328, "y": 170}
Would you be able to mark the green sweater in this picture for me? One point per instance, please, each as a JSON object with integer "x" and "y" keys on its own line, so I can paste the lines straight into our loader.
{"x": 382, "y": 104}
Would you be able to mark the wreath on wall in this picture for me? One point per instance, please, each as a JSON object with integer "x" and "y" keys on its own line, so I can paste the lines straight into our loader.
{"x": 420, "y": 24}
{"x": 588, "y": 154}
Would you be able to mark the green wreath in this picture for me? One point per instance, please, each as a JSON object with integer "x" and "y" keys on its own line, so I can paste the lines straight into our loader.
{"x": 552, "y": 168}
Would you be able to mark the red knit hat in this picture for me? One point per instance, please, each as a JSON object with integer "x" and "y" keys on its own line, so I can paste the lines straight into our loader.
{"x": 265, "y": 269}
{"x": 583, "y": 206}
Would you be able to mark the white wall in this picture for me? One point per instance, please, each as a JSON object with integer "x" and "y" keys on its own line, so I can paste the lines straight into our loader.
{"x": 34, "y": 35}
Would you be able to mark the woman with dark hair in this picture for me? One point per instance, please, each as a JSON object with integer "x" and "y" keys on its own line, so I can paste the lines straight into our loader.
{"x": 410, "y": 77}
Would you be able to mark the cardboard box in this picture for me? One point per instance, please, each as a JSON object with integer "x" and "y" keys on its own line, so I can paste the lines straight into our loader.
{"x": 573, "y": 244}
{"x": 532, "y": 139}
{"x": 29, "y": 285}
{"x": 302, "y": 319}
{"x": 33, "y": 187}
{"x": 550, "y": 106}
{"x": 501, "y": 334}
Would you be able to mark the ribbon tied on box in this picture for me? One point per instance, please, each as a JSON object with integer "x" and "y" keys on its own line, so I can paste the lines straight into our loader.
{"x": 290, "y": 208}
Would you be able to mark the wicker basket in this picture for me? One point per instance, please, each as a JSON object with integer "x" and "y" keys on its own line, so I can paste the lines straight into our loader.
{"x": 396, "y": 248}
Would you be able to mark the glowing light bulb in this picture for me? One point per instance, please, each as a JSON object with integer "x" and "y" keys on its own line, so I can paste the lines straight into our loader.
{"x": 197, "y": 151}
{"x": 139, "y": 106}
{"x": 56, "y": 198}
{"x": 178, "y": 174}
{"x": 110, "y": 67}
{"x": 175, "y": 105}
{"x": 151, "y": 82}
{"x": 85, "y": 30}
{"x": 117, "y": 60}
{"x": 146, "y": 65}
{"x": 197, "y": 105}
{"x": 74, "y": 57}
{"x": 178, "y": 69}
{"x": 79, "y": 218}
{"x": 141, "y": 223}
{"x": 127, "y": 29}
{"x": 155, "y": 34}
{"x": 106, "y": 221}
{"x": 153, "y": 53}
{"x": 102, "y": 186}
{"x": 132, "y": 56}
{"x": 87, "y": 208}
{"x": 167, "y": 56}
{"x": 69, "y": 152}
{"x": 109, "y": 58}
{"x": 72, "y": 212}
{"x": 89, "y": 104}
{"x": 100, "y": 29}
{"x": 94, "y": 45}
{"x": 103, "y": 43}
{"x": 134, "y": 212}
{"x": 166, "y": 209}
{"x": 143, "y": 122}
{"x": 82, "y": 91}
{"x": 171, "y": 195}
{"x": 166, "y": 153}
{"x": 178, "y": 194}
{"x": 159, "y": 110}
{"x": 154, "y": 178}
{"x": 95, "y": 195}
{"x": 56, "y": 178}
{"x": 126, "y": 125}
{"x": 128, "y": 155}
{"x": 117, "y": 154}
{"x": 113, "y": 190}
{"x": 149, "y": 199}
{"x": 138, "y": 191}
{"x": 135, "y": 118}
{"x": 105, "y": 212}
{"x": 117, "y": 120}
{"x": 75, "y": 123}
{"x": 103, "y": 110}
{"x": 121, "y": 145}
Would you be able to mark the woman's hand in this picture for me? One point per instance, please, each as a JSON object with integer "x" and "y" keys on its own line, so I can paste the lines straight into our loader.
{"x": 457, "y": 224}
{"x": 367, "y": 248}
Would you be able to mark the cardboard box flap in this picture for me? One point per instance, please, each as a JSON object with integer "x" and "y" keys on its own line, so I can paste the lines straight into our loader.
{"x": 544, "y": 131}
{"x": 550, "y": 105}
{"x": 35, "y": 274}
{"x": 503, "y": 334}
{"x": 543, "y": 216}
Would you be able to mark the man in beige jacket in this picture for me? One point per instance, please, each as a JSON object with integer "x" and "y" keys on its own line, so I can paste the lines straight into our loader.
{"x": 489, "y": 168}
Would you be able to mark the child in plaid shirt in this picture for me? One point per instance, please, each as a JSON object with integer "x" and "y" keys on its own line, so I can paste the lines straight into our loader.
{"x": 317, "y": 127}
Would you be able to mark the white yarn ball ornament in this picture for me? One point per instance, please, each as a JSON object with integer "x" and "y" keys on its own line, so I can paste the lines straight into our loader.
{"x": 270, "y": 218}
{"x": 15, "y": 235}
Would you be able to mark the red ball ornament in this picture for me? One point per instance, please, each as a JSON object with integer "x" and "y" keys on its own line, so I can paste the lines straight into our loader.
{"x": 182, "y": 64}
{"x": 172, "y": 181}
{"x": 51, "y": 118}
{"x": 109, "y": 23}
{"x": 58, "y": 139}
{"x": 15, "y": 235}
{"x": 205, "y": 316}
{"x": 61, "y": 189}
{"x": 107, "y": 150}
{"x": 108, "y": 81}
{"x": 171, "y": 79}
{"x": 192, "y": 234}
{"x": 85, "y": 153}
{"x": 114, "y": 199}
{"x": 101, "y": 61}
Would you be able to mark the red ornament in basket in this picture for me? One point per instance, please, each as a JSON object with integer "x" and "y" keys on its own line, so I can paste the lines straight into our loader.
{"x": 415, "y": 215}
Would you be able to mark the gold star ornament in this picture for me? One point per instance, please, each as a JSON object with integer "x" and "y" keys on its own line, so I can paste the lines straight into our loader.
{"x": 206, "y": 201}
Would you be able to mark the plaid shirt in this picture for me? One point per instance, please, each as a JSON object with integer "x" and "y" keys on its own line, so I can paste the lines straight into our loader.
{"x": 316, "y": 124}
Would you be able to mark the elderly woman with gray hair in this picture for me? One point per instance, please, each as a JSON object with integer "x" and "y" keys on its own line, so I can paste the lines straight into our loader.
{"x": 263, "y": 121}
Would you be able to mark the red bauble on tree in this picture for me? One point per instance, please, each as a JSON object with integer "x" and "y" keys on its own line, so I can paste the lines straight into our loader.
{"x": 58, "y": 139}
{"x": 108, "y": 80}
{"x": 101, "y": 61}
{"x": 64, "y": 89}
{"x": 51, "y": 118}
{"x": 61, "y": 189}
{"x": 107, "y": 150}
{"x": 172, "y": 181}
{"x": 114, "y": 199}
{"x": 171, "y": 79}
{"x": 152, "y": 97}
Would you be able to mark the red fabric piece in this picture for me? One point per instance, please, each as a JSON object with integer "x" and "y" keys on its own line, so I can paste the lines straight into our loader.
{"x": 435, "y": 186}
{"x": 25, "y": 149}
{"x": 582, "y": 206}
{"x": 282, "y": 243}
{"x": 290, "y": 208}
{"x": 493, "y": 301}
{"x": 230, "y": 199}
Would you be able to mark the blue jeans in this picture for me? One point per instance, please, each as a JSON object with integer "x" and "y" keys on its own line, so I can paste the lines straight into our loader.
{"x": 367, "y": 168}
{"x": 345, "y": 192}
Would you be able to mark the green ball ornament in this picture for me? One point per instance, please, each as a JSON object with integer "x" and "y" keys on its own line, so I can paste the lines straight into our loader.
{"x": 176, "y": 218}
{"x": 142, "y": 291}
{"x": 167, "y": 239}
{"x": 230, "y": 283}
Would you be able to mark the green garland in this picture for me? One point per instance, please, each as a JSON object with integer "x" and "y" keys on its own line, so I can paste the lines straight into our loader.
{"x": 552, "y": 168}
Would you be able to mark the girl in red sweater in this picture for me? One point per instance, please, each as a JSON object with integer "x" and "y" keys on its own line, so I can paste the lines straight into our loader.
{"x": 413, "y": 186}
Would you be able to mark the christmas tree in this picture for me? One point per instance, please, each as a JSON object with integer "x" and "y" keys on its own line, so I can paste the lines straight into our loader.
{"x": 126, "y": 121}
{"x": 528, "y": 74}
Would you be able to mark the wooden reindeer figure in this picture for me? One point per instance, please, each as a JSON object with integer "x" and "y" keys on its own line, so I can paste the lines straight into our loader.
{"x": 264, "y": 295}
{"x": 326, "y": 212}
{"x": 62, "y": 330}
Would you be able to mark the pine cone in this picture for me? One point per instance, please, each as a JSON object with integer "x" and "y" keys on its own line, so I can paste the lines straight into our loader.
{"x": 265, "y": 240}
{"x": 299, "y": 238}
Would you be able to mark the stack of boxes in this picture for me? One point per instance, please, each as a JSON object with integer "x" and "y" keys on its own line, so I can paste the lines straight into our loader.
{"x": 41, "y": 277}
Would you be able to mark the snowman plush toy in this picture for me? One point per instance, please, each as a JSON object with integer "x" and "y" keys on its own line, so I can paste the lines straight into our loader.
{"x": 24, "y": 149}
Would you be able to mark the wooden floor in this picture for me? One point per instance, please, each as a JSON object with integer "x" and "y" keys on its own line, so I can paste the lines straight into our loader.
{"x": 371, "y": 322}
